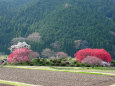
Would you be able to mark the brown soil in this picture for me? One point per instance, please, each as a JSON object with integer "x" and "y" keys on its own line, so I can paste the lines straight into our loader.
{"x": 54, "y": 78}
{"x": 5, "y": 85}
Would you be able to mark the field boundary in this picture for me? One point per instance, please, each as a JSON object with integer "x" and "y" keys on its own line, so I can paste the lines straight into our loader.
{"x": 16, "y": 83}
{"x": 112, "y": 85}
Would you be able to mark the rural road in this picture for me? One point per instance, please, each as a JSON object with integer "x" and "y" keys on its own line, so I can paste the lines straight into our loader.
{"x": 54, "y": 78}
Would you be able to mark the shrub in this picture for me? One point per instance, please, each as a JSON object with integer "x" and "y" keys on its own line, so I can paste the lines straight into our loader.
{"x": 113, "y": 63}
{"x": 63, "y": 64}
{"x": 34, "y": 60}
{"x": 25, "y": 63}
{"x": 99, "y": 53}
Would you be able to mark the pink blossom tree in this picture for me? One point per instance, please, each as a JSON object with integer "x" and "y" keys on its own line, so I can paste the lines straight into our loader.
{"x": 61, "y": 55}
{"x": 34, "y": 37}
{"x": 92, "y": 60}
{"x": 48, "y": 53}
{"x": 19, "y": 55}
{"x": 32, "y": 55}
{"x": 56, "y": 45}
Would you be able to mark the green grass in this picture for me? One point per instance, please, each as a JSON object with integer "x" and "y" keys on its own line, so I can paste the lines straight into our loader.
{"x": 3, "y": 57}
{"x": 112, "y": 85}
{"x": 104, "y": 68}
{"x": 97, "y": 73}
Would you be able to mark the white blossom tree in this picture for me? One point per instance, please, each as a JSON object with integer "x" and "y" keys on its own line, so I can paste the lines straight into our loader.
{"x": 19, "y": 45}
{"x": 66, "y": 5}
{"x": 17, "y": 39}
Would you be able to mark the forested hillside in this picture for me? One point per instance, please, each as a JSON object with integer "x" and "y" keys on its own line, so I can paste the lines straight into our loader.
{"x": 71, "y": 24}
{"x": 8, "y": 10}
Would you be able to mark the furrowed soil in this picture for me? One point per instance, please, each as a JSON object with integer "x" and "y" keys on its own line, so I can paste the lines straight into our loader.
{"x": 54, "y": 78}
{"x": 5, "y": 85}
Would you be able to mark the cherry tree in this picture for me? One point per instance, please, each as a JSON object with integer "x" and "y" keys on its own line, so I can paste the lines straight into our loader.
{"x": 48, "y": 52}
{"x": 61, "y": 55}
{"x": 95, "y": 61}
{"x": 19, "y": 45}
{"x": 22, "y": 55}
{"x": 17, "y": 39}
{"x": 19, "y": 55}
{"x": 34, "y": 37}
{"x": 32, "y": 55}
{"x": 92, "y": 60}
{"x": 56, "y": 45}
{"x": 99, "y": 53}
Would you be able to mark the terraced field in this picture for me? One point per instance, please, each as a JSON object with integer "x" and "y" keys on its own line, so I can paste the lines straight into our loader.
{"x": 54, "y": 78}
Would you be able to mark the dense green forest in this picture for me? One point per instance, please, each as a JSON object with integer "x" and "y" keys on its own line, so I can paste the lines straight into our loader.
{"x": 68, "y": 22}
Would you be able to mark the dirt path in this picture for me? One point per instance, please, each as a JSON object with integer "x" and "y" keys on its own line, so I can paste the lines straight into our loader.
{"x": 52, "y": 78}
